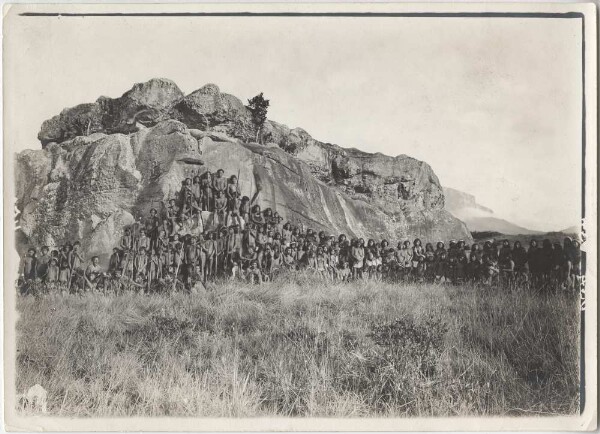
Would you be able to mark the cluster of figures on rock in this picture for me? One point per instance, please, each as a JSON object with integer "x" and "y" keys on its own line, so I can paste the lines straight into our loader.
{"x": 175, "y": 253}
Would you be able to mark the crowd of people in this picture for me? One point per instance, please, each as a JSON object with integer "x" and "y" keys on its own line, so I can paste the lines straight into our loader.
{"x": 171, "y": 250}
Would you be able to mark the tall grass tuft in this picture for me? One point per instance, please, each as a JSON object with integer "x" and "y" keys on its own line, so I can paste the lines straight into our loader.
{"x": 304, "y": 347}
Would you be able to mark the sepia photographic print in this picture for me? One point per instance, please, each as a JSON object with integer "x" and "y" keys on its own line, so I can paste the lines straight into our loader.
{"x": 341, "y": 217}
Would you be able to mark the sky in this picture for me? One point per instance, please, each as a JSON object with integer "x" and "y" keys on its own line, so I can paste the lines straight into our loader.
{"x": 493, "y": 105}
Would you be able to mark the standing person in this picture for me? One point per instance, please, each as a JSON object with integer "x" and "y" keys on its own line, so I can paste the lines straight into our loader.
{"x": 172, "y": 214}
{"x": 206, "y": 183}
{"x": 429, "y": 263}
{"x": 186, "y": 198}
{"x": 440, "y": 262}
{"x": 155, "y": 267}
{"x": 52, "y": 273}
{"x": 519, "y": 257}
{"x": 196, "y": 196}
{"x": 244, "y": 209}
{"x": 505, "y": 259}
{"x": 64, "y": 265}
{"x": 232, "y": 193}
{"x": 358, "y": 257}
{"x": 141, "y": 265}
{"x": 210, "y": 252}
{"x": 546, "y": 260}
{"x": 77, "y": 262}
{"x": 220, "y": 207}
{"x": 29, "y": 265}
{"x": 405, "y": 259}
{"x": 126, "y": 242}
{"x": 321, "y": 263}
{"x": 190, "y": 257}
{"x": 42, "y": 263}
{"x": 370, "y": 268}
{"x": 143, "y": 241}
{"x": 152, "y": 226}
{"x": 334, "y": 261}
{"x": 114, "y": 261}
{"x": 219, "y": 182}
{"x": 533, "y": 259}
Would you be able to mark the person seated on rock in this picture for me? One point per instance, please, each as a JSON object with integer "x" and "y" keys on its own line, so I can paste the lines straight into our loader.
{"x": 187, "y": 225}
{"x": 261, "y": 236}
{"x": 220, "y": 182}
{"x": 295, "y": 234}
{"x": 289, "y": 261}
{"x": 490, "y": 268}
{"x": 232, "y": 193}
{"x": 256, "y": 216}
{"x": 301, "y": 250}
{"x": 268, "y": 216}
{"x": 278, "y": 225}
{"x": 343, "y": 273}
{"x": 206, "y": 185}
{"x": 253, "y": 274}
{"x": 311, "y": 236}
{"x": 92, "y": 273}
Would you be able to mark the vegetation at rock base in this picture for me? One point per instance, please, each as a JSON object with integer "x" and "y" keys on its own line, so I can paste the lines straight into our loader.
{"x": 303, "y": 347}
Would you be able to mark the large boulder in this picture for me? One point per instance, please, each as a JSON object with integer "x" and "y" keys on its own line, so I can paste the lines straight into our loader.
{"x": 105, "y": 164}
{"x": 146, "y": 103}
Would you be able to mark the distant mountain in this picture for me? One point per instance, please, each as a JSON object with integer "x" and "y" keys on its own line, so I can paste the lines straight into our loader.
{"x": 479, "y": 218}
{"x": 571, "y": 230}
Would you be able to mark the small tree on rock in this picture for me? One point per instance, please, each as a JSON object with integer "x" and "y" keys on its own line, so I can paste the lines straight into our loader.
{"x": 258, "y": 106}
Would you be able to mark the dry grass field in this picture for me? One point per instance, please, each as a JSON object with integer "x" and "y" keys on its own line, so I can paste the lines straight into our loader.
{"x": 304, "y": 347}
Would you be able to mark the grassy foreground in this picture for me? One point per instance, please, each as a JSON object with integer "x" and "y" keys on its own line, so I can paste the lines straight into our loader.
{"x": 303, "y": 347}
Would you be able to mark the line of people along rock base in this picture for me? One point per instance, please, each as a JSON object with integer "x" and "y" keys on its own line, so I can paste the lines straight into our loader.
{"x": 170, "y": 250}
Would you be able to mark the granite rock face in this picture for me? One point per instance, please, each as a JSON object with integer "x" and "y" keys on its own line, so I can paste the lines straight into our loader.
{"x": 135, "y": 150}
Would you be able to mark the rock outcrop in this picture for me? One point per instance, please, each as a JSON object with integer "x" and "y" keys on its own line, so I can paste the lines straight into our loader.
{"x": 102, "y": 165}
